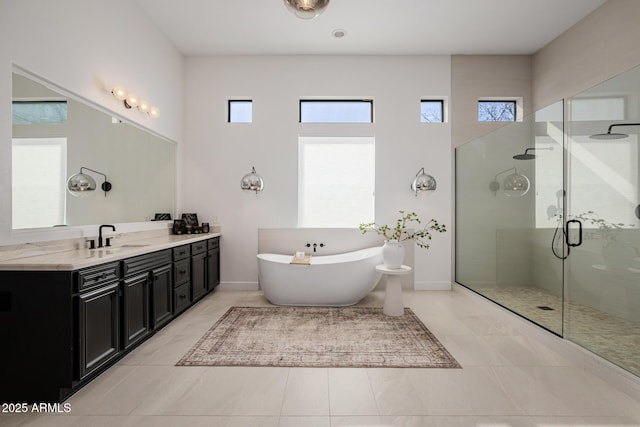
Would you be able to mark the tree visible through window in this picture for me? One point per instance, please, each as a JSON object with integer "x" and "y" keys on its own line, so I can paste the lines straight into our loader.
{"x": 496, "y": 111}
{"x": 431, "y": 111}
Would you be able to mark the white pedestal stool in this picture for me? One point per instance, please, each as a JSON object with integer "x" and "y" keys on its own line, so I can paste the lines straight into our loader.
{"x": 393, "y": 305}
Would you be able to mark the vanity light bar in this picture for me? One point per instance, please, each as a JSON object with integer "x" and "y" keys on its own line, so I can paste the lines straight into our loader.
{"x": 130, "y": 100}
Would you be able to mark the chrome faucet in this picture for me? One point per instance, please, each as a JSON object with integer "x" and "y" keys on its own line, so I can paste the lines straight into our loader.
{"x": 100, "y": 234}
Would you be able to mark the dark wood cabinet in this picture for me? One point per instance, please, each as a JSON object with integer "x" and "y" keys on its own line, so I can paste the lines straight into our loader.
{"x": 213, "y": 263}
{"x": 162, "y": 295}
{"x": 181, "y": 278}
{"x": 198, "y": 270}
{"x": 63, "y": 328}
{"x": 156, "y": 267}
{"x": 136, "y": 320}
{"x": 98, "y": 323}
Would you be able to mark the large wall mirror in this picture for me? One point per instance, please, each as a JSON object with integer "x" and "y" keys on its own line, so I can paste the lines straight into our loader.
{"x": 55, "y": 134}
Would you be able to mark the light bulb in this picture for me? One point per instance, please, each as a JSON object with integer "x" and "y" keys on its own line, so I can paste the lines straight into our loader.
{"x": 131, "y": 101}
{"x": 154, "y": 112}
{"x": 119, "y": 93}
{"x": 144, "y": 106}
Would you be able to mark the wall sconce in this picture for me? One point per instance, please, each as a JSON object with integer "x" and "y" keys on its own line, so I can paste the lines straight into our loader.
{"x": 306, "y": 9}
{"x": 82, "y": 185}
{"x": 252, "y": 182}
{"x": 423, "y": 183}
{"x": 514, "y": 185}
{"x": 130, "y": 100}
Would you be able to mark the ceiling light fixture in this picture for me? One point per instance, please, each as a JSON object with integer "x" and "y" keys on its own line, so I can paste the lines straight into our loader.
{"x": 339, "y": 33}
{"x": 130, "y": 100}
{"x": 306, "y": 9}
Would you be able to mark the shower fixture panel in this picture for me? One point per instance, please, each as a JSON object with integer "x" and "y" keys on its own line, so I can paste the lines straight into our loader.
{"x": 614, "y": 135}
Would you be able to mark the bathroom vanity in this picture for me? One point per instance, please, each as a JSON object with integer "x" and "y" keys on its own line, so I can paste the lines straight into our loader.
{"x": 65, "y": 317}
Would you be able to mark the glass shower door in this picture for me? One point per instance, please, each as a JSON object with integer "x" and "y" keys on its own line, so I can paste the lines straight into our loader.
{"x": 509, "y": 216}
{"x": 602, "y": 271}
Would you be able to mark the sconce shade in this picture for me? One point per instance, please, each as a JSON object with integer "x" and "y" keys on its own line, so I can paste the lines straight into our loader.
{"x": 423, "y": 183}
{"x": 252, "y": 182}
{"x": 144, "y": 106}
{"x": 514, "y": 185}
{"x": 306, "y": 9}
{"x": 83, "y": 185}
{"x": 131, "y": 101}
{"x": 119, "y": 93}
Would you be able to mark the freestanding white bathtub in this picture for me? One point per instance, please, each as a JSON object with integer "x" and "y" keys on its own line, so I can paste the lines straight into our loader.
{"x": 330, "y": 280}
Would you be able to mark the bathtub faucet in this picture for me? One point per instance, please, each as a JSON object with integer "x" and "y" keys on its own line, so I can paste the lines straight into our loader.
{"x": 315, "y": 246}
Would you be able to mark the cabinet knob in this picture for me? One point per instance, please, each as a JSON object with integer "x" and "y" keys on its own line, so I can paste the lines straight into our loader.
{"x": 183, "y": 271}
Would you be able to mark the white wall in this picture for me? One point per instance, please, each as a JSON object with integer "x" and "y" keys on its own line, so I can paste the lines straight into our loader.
{"x": 218, "y": 154}
{"x": 602, "y": 45}
{"x": 86, "y": 47}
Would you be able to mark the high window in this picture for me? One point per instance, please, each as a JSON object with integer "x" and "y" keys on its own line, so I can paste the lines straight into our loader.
{"x": 497, "y": 111}
{"x": 240, "y": 111}
{"x": 431, "y": 111}
{"x": 39, "y": 112}
{"x": 336, "y": 111}
{"x": 336, "y": 181}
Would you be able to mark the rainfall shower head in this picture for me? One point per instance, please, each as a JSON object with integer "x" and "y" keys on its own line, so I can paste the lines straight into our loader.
{"x": 527, "y": 156}
{"x": 614, "y": 135}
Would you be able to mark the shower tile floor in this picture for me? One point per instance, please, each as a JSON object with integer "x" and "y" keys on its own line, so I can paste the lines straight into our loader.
{"x": 507, "y": 379}
{"x": 614, "y": 339}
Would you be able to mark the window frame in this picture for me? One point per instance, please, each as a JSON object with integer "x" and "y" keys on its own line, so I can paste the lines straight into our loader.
{"x": 517, "y": 108}
{"x": 306, "y": 141}
{"x": 39, "y": 102}
{"x": 239, "y": 100}
{"x": 302, "y": 101}
{"x": 442, "y": 109}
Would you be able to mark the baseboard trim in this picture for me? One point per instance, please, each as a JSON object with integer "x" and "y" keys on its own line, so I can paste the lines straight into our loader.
{"x": 238, "y": 286}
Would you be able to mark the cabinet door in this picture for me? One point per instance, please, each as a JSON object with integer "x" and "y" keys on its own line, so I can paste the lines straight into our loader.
{"x": 135, "y": 307}
{"x": 162, "y": 295}
{"x": 198, "y": 275}
{"x": 98, "y": 327}
{"x": 213, "y": 268}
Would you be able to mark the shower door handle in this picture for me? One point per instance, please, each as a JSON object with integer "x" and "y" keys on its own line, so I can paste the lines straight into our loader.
{"x": 567, "y": 234}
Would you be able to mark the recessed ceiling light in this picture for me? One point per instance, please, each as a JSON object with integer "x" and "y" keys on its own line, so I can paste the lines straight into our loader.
{"x": 339, "y": 33}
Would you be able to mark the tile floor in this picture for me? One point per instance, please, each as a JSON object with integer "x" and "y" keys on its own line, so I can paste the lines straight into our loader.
{"x": 507, "y": 380}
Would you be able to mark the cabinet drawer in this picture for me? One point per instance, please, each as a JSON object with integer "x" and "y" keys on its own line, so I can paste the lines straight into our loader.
{"x": 146, "y": 262}
{"x": 95, "y": 276}
{"x": 181, "y": 272}
{"x": 181, "y": 252}
{"x": 198, "y": 247}
{"x": 213, "y": 243}
{"x": 181, "y": 298}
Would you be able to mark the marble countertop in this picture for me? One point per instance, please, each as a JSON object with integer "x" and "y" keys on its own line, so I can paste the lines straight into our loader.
{"x": 75, "y": 259}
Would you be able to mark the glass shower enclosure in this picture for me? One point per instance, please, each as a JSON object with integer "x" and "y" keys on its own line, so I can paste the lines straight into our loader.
{"x": 548, "y": 218}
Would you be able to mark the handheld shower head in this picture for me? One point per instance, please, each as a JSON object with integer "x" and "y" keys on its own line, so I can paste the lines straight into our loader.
{"x": 527, "y": 156}
{"x": 614, "y": 135}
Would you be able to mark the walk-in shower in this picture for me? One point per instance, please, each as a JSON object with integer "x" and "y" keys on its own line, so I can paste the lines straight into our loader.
{"x": 565, "y": 253}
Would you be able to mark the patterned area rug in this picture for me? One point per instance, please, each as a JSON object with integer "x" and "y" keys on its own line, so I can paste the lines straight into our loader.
{"x": 318, "y": 337}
